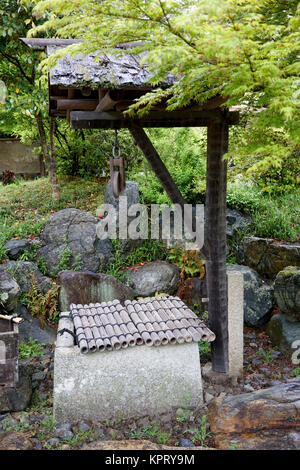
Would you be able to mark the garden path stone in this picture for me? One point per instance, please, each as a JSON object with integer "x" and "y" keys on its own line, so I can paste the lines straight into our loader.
{"x": 69, "y": 239}
{"x": 158, "y": 276}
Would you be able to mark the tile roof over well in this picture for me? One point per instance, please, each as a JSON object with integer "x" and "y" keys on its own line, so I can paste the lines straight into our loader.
{"x": 121, "y": 70}
{"x": 153, "y": 322}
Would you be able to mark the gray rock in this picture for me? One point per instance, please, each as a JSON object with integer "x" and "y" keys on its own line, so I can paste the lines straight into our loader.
{"x": 131, "y": 191}
{"x": 83, "y": 427}
{"x": 9, "y": 290}
{"x": 53, "y": 442}
{"x": 283, "y": 331}
{"x": 31, "y": 328}
{"x": 100, "y": 434}
{"x": 258, "y": 296}
{"x": 158, "y": 276}
{"x": 208, "y": 397}
{"x": 70, "y": 239}
{"x": 287, "y": 291}
{"x": 268, "y": 257}
{"x": 236, "y": 222}
{"x": 14, "y": 248}
{"x": 39, "y": 376}
{"x": 37, "y": 445}
{"x": 248, "y": 388}
{"x": 16, "y": 398}
{"x": 63, "y": 431}
{"x": 186, "y": 443}
{"x": 25, "y": 273}
{"x": 84, "y": 287}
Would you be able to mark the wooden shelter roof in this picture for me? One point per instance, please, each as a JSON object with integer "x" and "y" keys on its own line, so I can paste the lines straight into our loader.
{"x": 108, "y": 83}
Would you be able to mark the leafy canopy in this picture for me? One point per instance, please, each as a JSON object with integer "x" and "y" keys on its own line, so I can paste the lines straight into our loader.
{"x": 245, "y": 50}
{"x": 26, "y": 88}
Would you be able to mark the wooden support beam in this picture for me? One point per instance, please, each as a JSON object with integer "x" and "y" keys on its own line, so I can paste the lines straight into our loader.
{"x": 184, "y": 118}
{"x": 157, "y": 165}
{"x": 80, "y": 104}
{"x": 106, "y": 103}
{"x": 71, "y": 93}
{"x": 215, "y": 242}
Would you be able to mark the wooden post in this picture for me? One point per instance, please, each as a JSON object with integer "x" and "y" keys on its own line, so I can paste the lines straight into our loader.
{"x": 215, "y": 242}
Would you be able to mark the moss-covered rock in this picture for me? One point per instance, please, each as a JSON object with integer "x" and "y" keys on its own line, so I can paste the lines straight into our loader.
{"x": 287, "y": 291}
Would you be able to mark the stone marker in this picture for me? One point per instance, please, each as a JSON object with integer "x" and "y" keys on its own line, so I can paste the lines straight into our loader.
{"x": 235, "y": 322}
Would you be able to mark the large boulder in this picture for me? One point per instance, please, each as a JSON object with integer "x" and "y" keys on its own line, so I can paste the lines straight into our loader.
{"x": 69, "y": 239}
{"x": 264, "y": 419}
{"x": 86, "y": 287}
{"x": 258, "y": 296}
{"x": 9, "y": 290}
{"x": 16, "y": 398}
{"x": 284, "y": 332}
{"x": 15, "y": 248}
{"x": 267, "y": 256}
{"x": 235, "y": 222}
{"x": 158, "y": 276}
{"x": 287, "y": 291}
{"x": 26, "y": 273}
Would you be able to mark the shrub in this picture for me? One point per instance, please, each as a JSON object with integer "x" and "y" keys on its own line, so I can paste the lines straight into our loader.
{"x": 183, "y": 152}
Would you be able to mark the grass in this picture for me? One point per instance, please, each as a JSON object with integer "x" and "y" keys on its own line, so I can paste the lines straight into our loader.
{"x": 153, "y": 431}
{"x": 273, "y": 216}
{"x": 30, "y": 349}
{"x": 150, "y": 250}
{"x": 26, "y": 206}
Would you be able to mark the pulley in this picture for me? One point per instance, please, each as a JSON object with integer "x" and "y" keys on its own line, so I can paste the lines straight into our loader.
{"x": 117, "y": 168}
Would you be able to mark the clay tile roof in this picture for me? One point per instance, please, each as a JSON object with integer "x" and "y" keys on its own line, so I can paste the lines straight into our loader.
{"x": 154, "y": 322}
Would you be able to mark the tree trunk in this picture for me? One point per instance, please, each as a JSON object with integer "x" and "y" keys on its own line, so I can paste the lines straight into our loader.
{"x": 215, "y": 242}
{"x": 43, "y": 139}
{"x": 52, "y": 164}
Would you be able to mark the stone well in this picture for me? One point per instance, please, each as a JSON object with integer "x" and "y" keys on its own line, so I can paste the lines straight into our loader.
{"x": 145, "y": 360}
